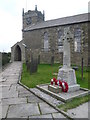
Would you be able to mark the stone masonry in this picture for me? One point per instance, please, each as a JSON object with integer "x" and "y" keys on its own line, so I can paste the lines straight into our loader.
{"x": 34, "y": 27}
{"x": 36, "y": 44}
{"x": 0, "y": 61}
{"x": 15, "y": 53}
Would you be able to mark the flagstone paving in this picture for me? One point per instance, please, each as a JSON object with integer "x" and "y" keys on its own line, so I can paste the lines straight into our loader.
{"x": 81, "y": 111}
{"x": 17, "y": 102}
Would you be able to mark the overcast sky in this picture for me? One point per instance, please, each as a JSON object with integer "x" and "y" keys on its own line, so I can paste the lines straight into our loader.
{"x": 11, "y": 16}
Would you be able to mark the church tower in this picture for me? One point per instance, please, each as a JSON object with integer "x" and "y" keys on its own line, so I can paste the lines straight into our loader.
{"x": 32, "y": 17}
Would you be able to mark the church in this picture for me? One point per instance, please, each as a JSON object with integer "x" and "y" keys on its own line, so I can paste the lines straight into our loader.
{"x": 42, "y": 39}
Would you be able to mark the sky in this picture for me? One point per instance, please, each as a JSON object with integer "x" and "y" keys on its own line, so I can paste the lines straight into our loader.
{"x": 11, "y": 16}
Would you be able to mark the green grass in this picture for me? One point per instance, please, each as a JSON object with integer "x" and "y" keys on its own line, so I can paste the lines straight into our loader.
{"x": 45, "y": 73}
{"x": 85, "y": 82}
{"x": 74, "y": 103}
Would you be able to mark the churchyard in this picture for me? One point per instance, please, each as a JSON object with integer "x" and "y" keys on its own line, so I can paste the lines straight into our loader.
{"x": 60, "y": 82}
{"x": 48, "y": 76}
{"x": 60, "y": 87}
{"x": 46, "y": 72}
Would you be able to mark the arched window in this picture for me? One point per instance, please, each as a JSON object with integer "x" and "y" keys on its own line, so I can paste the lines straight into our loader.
{"x": 60, "y": 42}
{"x": 46, "y": 42}
{"x": 77, "y": 40}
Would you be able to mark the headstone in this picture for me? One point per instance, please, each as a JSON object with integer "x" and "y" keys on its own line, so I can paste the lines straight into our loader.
{"x": 66, "y": 73}
{"x": 52, "y": 60}
{"x": 33, "y": 64}
{"x": 38, "y": 59}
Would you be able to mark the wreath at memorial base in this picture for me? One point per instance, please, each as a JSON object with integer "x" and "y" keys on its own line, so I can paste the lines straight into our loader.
{"x": 63, "y": 84}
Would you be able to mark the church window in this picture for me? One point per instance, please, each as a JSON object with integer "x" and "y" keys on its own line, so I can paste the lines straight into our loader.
{"x": 46, "y": 42}
{"x": 77, "y": 40}
{"x": 60, "y": 42}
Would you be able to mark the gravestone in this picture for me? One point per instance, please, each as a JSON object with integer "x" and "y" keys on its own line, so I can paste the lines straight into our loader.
{"x": 32, "y": 64}
{"x": 66, "y": 73}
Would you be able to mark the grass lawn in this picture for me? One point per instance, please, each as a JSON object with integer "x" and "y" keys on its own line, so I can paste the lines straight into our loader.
{"x": 45, "y": 73}
{"x": 74, "y": 103}
{"x": 85, "y": 82}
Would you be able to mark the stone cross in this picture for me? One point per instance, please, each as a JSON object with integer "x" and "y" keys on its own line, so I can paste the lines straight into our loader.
{"x": 66, "y": 73}
{"x": 66, "y": 47}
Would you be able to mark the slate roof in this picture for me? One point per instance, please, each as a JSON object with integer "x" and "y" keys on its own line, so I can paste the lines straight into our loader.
{"x": 60, "y": 21}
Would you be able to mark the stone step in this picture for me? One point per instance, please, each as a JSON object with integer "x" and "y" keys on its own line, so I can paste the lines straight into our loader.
{"x": 46, "y": 97}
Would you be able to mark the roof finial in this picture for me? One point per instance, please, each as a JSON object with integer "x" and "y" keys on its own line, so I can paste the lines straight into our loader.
{"x": 43, "y": 15}
{"x": 23, "y": 12}
{"x": 35, "y": 7}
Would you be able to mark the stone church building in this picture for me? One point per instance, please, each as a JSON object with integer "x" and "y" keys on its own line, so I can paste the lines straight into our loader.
{"x": 42, "y": 39}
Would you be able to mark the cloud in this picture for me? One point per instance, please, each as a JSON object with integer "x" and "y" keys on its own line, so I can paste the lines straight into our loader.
{"x": 59, "y": 8}
{"x": 10, "y": 30}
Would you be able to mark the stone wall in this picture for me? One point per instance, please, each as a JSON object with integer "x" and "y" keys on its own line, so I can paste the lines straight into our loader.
{"x": 32, "y": 17}
{"x": 35, "y": 41}
{"x": 14, "y": 53}
{"x": 0, "y": 61}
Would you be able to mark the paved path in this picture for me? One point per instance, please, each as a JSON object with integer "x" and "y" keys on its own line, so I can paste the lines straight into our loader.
{"x": 46, "y": 97}
{"x": 17, "y": 102}
{"x": 81, "y": 111}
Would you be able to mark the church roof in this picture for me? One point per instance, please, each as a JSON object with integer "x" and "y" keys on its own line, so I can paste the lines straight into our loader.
{"x": 60, "y": 21}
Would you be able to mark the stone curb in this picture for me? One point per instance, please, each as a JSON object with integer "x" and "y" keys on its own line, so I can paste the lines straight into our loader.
{"x": 86, "y": 92}
{"x": 64, "y": 113}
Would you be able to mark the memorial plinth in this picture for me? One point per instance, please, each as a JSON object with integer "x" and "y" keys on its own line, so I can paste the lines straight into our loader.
{"x": 66, "y": 73}
{"x": 55, "y": 88}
